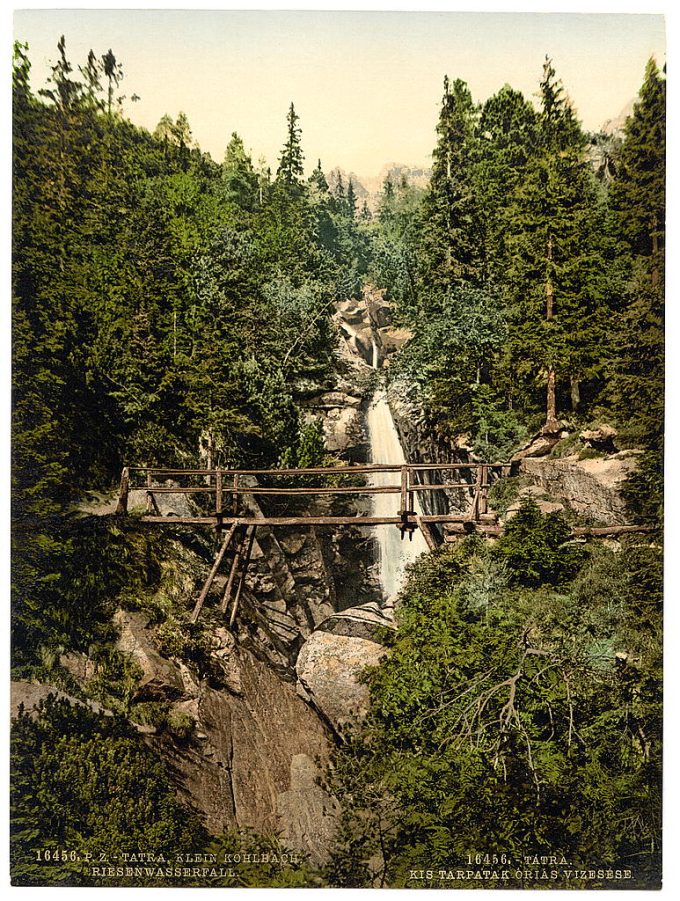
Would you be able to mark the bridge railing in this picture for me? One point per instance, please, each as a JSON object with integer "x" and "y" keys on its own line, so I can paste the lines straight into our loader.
{"x": 227, "y": 487}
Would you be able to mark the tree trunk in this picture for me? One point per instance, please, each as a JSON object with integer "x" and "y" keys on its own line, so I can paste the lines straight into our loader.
{"x": 575, "y": 393}
{"x": 551, "y": 423}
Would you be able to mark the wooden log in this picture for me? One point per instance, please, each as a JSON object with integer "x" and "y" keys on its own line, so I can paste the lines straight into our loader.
{"x": 427, "y": 534}
{"x": 474, "y": 514}
{"x": 404, "y": 491}
{"x": 587, "y": 531}
{"x": 242, "y": 579}
{"x": 123, "y": 492}
{"x": 218, "y": 492}
{"x": 232, "y": 572}
{"x": 234, "y": 498}
{"x": 358, "y": 521}
{"x": 150, "y": 499}
{"x": 211, "y": 575}
{"x": 430, "y": 486}
{"x": 321, "y": 470}
{"x": 484, "y": 490}
{"x": 380, "y": 489}
{"x": 194, "y": 489}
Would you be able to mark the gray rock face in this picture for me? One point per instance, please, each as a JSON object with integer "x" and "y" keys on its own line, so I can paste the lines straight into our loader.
{"x": 307, "y": 813}
{"x": 168, "y": 504}
{"x": 160, "y": 678}
{"x": 329, "y": 667}
{"x": 244, "y": 770}
{"x": 421, "y": 444}
{"x": 28, "y": 695}
{"x": 601, "y": 438}
{"x": 590, "y": 488}
{"x": 367, "y": 327}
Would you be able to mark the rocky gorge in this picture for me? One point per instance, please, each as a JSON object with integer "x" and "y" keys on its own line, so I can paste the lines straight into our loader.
{"x": 281, "y": 686}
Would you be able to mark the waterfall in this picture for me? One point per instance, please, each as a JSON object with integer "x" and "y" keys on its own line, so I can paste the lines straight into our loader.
{"x": 393, "y": 553}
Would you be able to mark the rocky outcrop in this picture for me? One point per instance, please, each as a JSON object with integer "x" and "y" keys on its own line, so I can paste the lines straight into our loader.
{"x": 248, "y": 756}
{"x": 329, "y": 668}
{"x": 368, "y": 328}
{"x": 27, "y": 696}
{"x": 601, "y": 438}
{"x": 160, "y": 679}
{"x": 591, "y": 488}
{"x": 537, "y": 495}
{"x": 256, "y": 749}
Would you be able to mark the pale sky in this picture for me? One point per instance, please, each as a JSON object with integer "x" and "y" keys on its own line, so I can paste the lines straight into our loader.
{"x": 367, "y": 85}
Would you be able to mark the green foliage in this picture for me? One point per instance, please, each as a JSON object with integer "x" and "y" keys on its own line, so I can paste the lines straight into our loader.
{"x": 536, "y": 548}
{"x": 86, "y": 783}
{"x": 450, "y": 229}
{"x": 503, "y": 492}
{"x": 268, "y": 863}
{"x": 509, "y": 717}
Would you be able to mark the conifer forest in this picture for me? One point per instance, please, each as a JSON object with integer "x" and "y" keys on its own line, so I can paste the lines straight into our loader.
{"x": 172, "y": 311}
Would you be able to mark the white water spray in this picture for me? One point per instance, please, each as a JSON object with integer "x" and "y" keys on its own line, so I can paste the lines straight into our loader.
{"x": 393, "y": 553}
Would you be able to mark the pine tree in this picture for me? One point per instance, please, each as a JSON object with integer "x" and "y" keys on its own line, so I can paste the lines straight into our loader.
{"x": 451, "y": 238}
{"x": 637, "y": 383}
{"x": 507, "y": 139}
{"x": 638, "y": 191}
{"x": 290, "y": 169}
{"x": 239, "y": 176}
{"x": 557, "y": 298}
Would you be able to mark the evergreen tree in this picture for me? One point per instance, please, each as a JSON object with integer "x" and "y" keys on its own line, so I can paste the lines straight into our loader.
{"x": 638, "y": 191}
{"x": 290, "y": 169}
{"x": 507, "y": 139}
{"x": 451, "y": 244}
{"x": 637, "y": 383}
{"x": 239, "y": 176}
{"x": 557, "y": 297}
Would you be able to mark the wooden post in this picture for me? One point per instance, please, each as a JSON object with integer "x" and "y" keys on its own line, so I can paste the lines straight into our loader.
{"x": 218, "y": 492}
{"x": 123, "y": 492}
{"x": 208, "y": 582}
{"x": 224, "y": 603}
{"x": 150, "y": 499}
{"x": 484, "y": 490}
{"x": 242, "y": 579}
{"x": 477, "y": 498}
{"x": 234, "y": 504}
{"x": 404, "y": 491}
{"x": 427, "y": 534}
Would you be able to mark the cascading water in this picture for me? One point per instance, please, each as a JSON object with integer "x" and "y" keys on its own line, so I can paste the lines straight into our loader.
{"x": 393, "y": 553}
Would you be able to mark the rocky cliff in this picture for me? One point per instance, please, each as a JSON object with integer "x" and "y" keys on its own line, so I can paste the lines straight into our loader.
{"x": 591, "y": 488}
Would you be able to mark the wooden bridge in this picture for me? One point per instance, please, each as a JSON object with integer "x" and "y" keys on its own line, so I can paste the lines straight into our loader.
{"x": 223, "y": 494}
{"x": 227, "y": 488}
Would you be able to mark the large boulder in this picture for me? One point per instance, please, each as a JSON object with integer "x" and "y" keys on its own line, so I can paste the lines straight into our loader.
{"x": 329, "y": 667}
{"x": 160, "y": 679}
{"x": 343, "y": 429}
{"x": 591, "y": 488}
{"x": 601, "y": 438}
{"x": 256, "y": 753}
